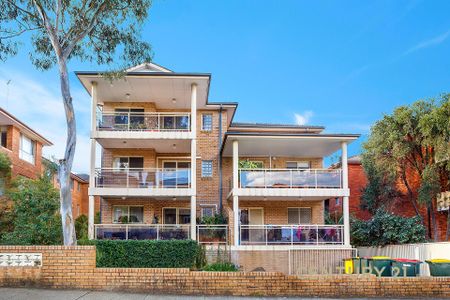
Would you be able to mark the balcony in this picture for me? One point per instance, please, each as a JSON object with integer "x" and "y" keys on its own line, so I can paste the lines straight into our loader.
{"x": 206, "y": 234}
{"x": 141, "y": 125}
{"x": 142, "y": 182}
{"x": 308, "y": 183}
{"x": 141, "y": 232}
{"x": 312, "y": 235}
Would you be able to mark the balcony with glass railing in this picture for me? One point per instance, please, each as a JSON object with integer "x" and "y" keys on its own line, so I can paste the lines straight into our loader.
{"x": 290, "y": 178}
{"x": 143, "y": 178}
{"x": 141, "y": 232}
{"x": 313, "y": 235}
{"x": 144, "y": 121}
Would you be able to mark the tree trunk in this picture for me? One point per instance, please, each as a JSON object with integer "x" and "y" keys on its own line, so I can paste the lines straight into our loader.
{"x": 433, "y": 223}
{"x": 411, "y": 197}
{"x": 447, "y": 234}
{"x": 65, "y": 165}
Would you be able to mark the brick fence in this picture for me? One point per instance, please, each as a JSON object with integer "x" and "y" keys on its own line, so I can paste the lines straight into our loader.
{"x": 74, "y": 267}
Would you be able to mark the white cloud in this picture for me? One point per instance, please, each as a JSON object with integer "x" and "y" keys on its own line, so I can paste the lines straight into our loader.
{"x": 39, "y": 105}
{"x": 429, "y": 43}
{"x": 303, "y": 118}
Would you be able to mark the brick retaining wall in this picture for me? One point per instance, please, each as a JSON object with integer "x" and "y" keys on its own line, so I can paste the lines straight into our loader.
{"x": 74, "y": 267}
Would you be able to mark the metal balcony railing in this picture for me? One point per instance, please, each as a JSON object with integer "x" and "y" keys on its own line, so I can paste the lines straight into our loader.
{"x": 141, "y": 232}
{"x": 148, "y": 121}
{"x": 142, "y": 178}
{"x": 288, "y": 178}
{"x": 291, "y": 234}
{"x": 212, "y": 234}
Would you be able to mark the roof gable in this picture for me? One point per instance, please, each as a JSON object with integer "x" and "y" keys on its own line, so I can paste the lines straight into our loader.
{"x": 149, "y": 67}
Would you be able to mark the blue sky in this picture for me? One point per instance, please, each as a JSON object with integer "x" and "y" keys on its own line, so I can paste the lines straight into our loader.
{"x": 341, "y": 64}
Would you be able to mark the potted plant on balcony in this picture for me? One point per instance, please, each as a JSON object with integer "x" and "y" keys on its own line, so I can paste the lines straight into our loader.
{"x": 212, "y": 234}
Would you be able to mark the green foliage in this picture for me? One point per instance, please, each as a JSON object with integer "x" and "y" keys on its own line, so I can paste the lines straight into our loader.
{"x": 146, "y": 253}
{"x": 5, "y": 165}
{"x": 380, "y": 188}
{"x": 97, "y": 218}
{"x": 95, "y": 31}
{"x": 333, "y": 219}
{"x": 50, "y": 168}
{"x": 217, "y": 219}
{"x": 200, "y": 259}
{"x": 385, "y": 229}
{"x": 221, "y": 267}
{"x": 35, "y": 213}
{"x": 81, "y": 227}
{"x": 248, "y": 164}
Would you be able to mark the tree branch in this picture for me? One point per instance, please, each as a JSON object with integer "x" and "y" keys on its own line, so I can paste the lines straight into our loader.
{"x": 69, "y": 48}
{"x": 14, "y": 34}
{"x": 50, "y": 30}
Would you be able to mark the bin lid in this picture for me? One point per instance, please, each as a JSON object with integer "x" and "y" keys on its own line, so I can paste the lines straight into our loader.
{"x": 405, "y": 260}
{"x": 438, "y": 260}
{"x": 380, "y": 257}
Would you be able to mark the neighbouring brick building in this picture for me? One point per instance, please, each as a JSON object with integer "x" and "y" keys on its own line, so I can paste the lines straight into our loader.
{"x": 23, "y": 146}
{"x": 170, "y": 156}
{"x": 401, "y": 206}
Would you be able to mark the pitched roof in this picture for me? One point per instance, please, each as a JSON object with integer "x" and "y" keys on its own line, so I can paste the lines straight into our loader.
{"x": 148, "y": 67}
{"x": 7, "y": 118}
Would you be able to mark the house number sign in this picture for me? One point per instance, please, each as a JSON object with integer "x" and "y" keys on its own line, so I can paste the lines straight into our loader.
{"x": 20, "y": 259}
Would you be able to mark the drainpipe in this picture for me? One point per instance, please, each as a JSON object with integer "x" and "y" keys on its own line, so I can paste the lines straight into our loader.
{"x": 220, "y": 160}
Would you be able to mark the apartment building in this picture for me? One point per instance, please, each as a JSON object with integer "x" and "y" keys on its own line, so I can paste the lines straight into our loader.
{"x": 23, "y": 146}
{"x": 170, "y": 156}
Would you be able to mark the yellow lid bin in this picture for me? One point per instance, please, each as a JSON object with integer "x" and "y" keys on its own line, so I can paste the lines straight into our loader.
{"x": 380, "y": 257}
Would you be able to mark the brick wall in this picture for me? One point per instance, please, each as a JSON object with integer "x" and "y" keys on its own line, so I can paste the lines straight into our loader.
{"x": 74, "y": 267}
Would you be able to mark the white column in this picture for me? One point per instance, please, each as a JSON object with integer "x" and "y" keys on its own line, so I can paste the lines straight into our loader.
{"x": 345, "y": 204}
{"x": 91, "y": 211}
{"x": 235, "y": 186}
{"x": 194, "y": 161}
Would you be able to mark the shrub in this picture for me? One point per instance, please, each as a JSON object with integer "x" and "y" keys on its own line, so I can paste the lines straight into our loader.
{"x": 145, "y": 253}
{"x": 386, "y": 229}
{"x": 221, "y": 267}
{"x": 81, "y": 227}
{"x": 217, "y": 219}
{"x": 36, "y": 220}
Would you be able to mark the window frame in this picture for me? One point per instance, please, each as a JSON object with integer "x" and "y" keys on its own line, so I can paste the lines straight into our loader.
{"x": 203, "y": 122}
{"x": 299, "y": 215}
{"x": 177, "y": 216}
{"x": 212, "y": 167}
{"x": 208, "y": 206}
{"x": 128, "y": 214}
{"x": 33, "y": 149}
{"x": 4, "y": 136}
{"x": 297, "y": 162}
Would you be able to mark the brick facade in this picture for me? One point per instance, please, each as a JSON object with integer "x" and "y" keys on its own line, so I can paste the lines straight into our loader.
{"x": 400, "y": 206}
{"x": 74, "y": 268}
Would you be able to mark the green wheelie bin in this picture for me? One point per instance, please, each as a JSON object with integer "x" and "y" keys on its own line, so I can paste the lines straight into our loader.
{"x": 402, "y": 267}
{"x": 439, "y": 267}
{"x": 381, "y": 265}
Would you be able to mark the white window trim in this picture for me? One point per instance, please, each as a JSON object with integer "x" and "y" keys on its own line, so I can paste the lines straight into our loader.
{"x": 143, "y": 213}
{"x": 34, "y": 149}
{"x": 212, "y": 122}
{"x": 298, "y": 207}
{"x": 213, "y": 206}
{"x": 212, "y": 168}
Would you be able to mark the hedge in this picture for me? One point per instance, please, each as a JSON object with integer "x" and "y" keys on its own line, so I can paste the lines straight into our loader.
{"x": 145, "y": 253}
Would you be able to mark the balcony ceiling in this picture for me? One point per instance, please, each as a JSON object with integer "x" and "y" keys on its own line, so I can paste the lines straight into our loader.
{"x": 306, "y": 145}
{"x": 160, "y": 146}
{"x": 158, "y": 88}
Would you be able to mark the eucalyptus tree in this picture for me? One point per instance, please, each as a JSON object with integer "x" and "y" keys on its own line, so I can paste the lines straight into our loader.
{"x": 411, "y": 143}
{"x": 106, "y": 32}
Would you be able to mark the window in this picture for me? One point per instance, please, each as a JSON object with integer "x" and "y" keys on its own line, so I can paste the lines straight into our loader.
{"x": 177, "y": 215}
{"x": 337, "y": 201}
{"x": 299, "y": 215}
{"x": 128, "y": 214}
{"x": 176, "y": 173}
{"x": 26, "y": 149}
{"x": 207, "y": 166}
{"x": 133, "y": 116}
{"x": 4, "y": 139}
{"x": 208, "y": 211}
{"x": 78, "y": 186}
{"x": 128, "y": 162}
{"x": 207, "y": 122}
{"x": 72, "y": 183}
{"x": 175, "y": 122}
{"x": 302, "y": 165}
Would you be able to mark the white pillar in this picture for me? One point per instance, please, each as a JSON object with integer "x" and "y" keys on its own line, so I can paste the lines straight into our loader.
{"x": 235, "y": 186}
{"x": 91, "y": 211}
{"x": 345, "y": 204}
{"x": 194, "y": 161}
